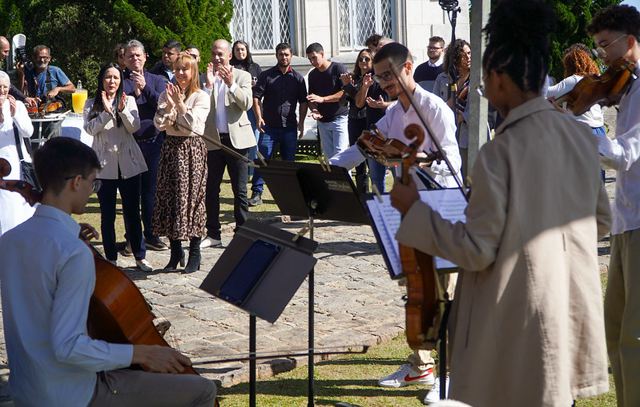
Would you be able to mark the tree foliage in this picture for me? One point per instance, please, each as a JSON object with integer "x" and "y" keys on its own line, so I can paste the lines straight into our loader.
{"x": 82, "y": 34}
{"x": 573, "y": 18}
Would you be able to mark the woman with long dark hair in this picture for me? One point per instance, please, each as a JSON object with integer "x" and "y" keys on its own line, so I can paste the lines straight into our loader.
{"x": 529, "y": 280}
{"x": 241, "y": 58}
{"x": 182, "y": 172}
{"x": 111, "y": 117}
{"x": 352, "y": 83}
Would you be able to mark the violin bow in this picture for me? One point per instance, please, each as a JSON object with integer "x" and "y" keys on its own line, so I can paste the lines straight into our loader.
{"x": 426, "y": 126}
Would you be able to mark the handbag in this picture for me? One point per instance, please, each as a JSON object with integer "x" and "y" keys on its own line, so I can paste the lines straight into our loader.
{"x": 26, "y": 168}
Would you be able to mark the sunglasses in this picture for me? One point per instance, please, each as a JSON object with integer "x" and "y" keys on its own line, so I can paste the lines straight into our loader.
{"x": 364, "y": 59}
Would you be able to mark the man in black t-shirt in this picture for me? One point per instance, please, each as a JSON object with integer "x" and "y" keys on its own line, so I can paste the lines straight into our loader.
{"x": 327, "y": 101}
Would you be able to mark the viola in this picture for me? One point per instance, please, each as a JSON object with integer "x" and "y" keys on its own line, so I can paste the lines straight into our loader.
{"x": 423, "y": 302}
{"x": 388, "y": 151}
{"x": 606, "y": 89}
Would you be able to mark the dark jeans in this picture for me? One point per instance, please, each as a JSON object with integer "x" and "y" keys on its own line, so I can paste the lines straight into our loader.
{"x": 356, "y": 127}
{"x": 287, "y": 138}
{"x": 130, "y": 194}
{"x": 217, "y": 161}
{"x": 151, "y": 152}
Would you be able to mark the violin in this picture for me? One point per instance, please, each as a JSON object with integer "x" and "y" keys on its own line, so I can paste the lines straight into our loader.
{"x": 423, "y": 303}
{"x": 606, "y": 89}
{"x": 388, "y": 151}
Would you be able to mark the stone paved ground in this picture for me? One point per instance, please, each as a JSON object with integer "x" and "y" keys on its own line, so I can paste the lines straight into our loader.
{"x": 356, "y": 303}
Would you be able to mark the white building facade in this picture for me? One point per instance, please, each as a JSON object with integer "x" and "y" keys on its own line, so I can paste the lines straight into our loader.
{"x": 341, "y": 26}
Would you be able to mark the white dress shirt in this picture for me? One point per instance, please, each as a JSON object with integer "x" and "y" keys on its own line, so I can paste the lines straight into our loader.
{"x": 622, "y": 154}
{"x": 441, "y": 122}
{"x": 45, "y": 302}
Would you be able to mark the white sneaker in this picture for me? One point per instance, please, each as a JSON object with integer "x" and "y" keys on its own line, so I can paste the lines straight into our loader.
{"x": 406, "y": 375}
{"x": 434, "y": 394}
{"x": 210, "y": 242}
{"x": 144, "y": 265}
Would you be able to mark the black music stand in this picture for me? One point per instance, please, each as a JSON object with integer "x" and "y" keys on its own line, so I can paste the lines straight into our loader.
{"x": 259, "y": 272}
{"x": 313, "y": 191}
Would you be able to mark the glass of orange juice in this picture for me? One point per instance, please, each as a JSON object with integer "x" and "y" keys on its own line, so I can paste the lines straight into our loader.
{"x": 78, "y": 98}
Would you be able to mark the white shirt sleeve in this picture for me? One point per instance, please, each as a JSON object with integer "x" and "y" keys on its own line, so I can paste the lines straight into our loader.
{"x": 623, "y": 151}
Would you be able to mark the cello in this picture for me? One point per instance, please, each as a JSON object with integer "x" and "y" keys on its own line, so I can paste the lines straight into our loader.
{"x": 425, "y": 306}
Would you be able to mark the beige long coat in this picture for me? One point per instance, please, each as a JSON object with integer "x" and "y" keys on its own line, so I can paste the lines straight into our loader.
{"x": 527, "y": 324}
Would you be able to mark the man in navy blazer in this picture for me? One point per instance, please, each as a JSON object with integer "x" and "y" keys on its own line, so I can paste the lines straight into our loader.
{"x": 145, "y": 87}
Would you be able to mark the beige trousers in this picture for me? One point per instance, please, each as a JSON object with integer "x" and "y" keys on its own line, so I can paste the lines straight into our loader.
{"x": 622, "y": 316}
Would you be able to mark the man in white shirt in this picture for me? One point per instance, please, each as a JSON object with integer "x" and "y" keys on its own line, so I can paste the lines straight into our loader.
{"x": 227, "y": 124}
{"x": 616, "y": 32}
{"x": 45, "y": 303}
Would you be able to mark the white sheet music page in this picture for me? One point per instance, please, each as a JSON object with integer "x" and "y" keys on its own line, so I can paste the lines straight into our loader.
{"x": 449, "y": 203}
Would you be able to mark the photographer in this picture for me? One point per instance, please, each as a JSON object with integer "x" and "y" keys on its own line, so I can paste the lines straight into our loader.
{"x": 5, "y": 48}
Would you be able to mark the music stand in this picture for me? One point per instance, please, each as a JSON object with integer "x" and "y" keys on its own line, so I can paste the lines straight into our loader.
{"x": 259, "y": 272}
{"x": 313, "y": 191}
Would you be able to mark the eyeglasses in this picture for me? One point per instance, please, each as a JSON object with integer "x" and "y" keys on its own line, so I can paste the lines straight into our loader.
{"x": 601, "y": 52}
{"x": 386, "y": 76}
{"x": 364, "y": 59}
{"x": 434, "y": 48}
{"x": 95, "y": 185}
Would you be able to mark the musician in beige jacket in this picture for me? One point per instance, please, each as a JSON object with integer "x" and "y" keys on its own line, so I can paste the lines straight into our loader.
{"x": 527, "y": 324}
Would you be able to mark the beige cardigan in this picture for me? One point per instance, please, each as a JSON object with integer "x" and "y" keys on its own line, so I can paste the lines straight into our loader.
{"x": 115, "y": 146}
{"x": 527, "y": 324}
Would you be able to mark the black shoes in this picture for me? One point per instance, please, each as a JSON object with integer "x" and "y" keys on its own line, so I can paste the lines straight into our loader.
{"x": 155, "y": 244}
{"x": 194, "y": 256}
{"x": 256, "y": 199}
{"x": 177, "y": 256}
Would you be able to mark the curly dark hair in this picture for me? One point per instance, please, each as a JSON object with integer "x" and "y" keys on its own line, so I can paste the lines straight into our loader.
{"x": 621, "y": 18}
{"x": 578, "y": 62}
{"x": 458, "y": 52}
{"x": 517, "y": 47}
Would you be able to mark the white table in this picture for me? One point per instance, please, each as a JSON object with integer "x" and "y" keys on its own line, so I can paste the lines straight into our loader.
{"x": 73, "y": 127}
{"x": 40, "y": 121}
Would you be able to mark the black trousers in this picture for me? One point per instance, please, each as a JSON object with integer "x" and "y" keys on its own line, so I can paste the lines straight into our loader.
{"x": 217, "y": 162}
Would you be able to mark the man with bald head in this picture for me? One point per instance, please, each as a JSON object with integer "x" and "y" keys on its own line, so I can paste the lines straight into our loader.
{"x": 5, "y": 48}
{"x": 227, "y": 124}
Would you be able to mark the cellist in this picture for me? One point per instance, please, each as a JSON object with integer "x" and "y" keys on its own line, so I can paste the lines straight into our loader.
{"x": 527, "y": 326}
{"x": 48, "y": 276}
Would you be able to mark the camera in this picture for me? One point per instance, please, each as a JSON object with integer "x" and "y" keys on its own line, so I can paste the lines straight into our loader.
{"x": 448, "y": 5}
{"x": 22, "y": 57}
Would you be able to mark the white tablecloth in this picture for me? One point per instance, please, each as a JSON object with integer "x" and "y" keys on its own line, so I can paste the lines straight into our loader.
{"x": 73, "y": 126}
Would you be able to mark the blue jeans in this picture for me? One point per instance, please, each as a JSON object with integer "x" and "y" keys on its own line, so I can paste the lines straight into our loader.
{"x": 334, "y": 136}
{"x": 286, "y": 137}
{"x": 599, "y": 132}
{"x": 377, "y": 172}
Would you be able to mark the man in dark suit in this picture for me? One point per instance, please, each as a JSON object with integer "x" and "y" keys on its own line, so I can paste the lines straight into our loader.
{"x": 145, "y": 87}
{"x": 227, "y": 124}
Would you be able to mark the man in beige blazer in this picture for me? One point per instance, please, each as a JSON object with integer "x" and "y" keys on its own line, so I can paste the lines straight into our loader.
{"x": 227, "y": 124}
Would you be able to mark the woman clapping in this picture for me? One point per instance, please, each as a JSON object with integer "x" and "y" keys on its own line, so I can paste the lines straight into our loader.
{"x": 111, "y": 117}
{"x": 182, "y": 173}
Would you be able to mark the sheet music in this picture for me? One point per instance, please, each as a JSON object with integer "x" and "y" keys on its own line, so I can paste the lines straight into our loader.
{"x": 449, "y": 203}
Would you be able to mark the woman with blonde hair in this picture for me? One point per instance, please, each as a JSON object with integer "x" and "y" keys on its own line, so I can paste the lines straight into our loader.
{"x": 182, "y": 173}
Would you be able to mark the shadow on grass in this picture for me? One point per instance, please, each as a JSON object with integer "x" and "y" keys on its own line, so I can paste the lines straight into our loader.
{"x": 324, "y": 389}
